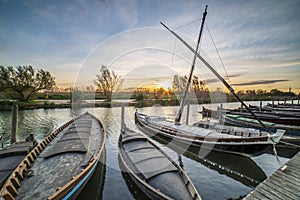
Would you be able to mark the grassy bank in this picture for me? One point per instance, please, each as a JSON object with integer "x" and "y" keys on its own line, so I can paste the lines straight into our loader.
{"x": 50, "y": 104}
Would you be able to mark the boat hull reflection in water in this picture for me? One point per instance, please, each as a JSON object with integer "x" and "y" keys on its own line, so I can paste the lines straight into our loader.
{"x": 94, "y": 188}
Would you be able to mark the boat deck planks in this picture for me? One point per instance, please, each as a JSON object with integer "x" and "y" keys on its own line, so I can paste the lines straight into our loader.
{"x": 152, "y": 170}
{"x": 11, "y": 156}
{"x": 72, "y": 149}
{"x": 282, "y": 184}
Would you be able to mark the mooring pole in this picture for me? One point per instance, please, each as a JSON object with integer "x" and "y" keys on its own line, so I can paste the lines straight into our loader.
{"x": 187, "y": 114}
{"x": 122, "y": 117}
{"x": 14, "y": 124}
{"x": 221, "y": 113}
{"x": 260, "y": 105}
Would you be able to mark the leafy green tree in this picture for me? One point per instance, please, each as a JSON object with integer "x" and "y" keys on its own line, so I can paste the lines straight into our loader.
{"x": 22, "y": 82}
{"x": 107, "y": 81}
{"x": 139, "y": 96}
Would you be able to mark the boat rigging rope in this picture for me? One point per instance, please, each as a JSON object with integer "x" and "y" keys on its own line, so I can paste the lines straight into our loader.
{"x": 192, "y": 22}
{"x": 212, "y": 39}
{"x": 172, "y": 59}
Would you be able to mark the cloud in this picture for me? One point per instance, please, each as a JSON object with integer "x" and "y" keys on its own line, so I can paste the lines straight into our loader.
{"x": 261, "y": 36}
{"x": 260, "y": 82}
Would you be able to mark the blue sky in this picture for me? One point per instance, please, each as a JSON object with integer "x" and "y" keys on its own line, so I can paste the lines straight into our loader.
{"x": 259, "y": 41}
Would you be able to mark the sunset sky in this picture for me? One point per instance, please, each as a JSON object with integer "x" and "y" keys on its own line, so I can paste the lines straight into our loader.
{"x": 259, "y": 41}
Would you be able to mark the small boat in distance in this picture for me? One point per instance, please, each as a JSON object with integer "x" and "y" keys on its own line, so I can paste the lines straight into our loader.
{"x": 60, "y": 166}
{"x": 152, "y": 170}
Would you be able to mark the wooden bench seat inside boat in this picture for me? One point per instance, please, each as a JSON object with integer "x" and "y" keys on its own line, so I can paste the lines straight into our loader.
{"x": 129, "y": 138}
{"x": 146, "y": 158}
{"x": 21, "y": 148}
{"x": 76, "y": 141}
{"x": 7, "y": 166}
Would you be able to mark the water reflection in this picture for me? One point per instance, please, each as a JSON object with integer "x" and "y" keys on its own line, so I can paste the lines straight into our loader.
{"x": 239, "y": 168}
{"x": 40, "y": 122}
{"x": 94, "y": 188}
{"x": 136, "y": 192}
{"x": 216, "y": 176}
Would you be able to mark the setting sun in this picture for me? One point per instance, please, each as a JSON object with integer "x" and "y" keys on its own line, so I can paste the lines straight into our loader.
{"x": 166, "y": 85}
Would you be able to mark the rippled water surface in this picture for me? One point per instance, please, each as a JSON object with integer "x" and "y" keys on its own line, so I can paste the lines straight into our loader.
{"x": 216, "y": 177}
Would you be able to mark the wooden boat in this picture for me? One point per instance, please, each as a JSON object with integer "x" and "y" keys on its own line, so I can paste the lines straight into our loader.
{"x": 60, "y": 166}
{"x": 238, "y": 120}
{"x": 284, "y": 105}
{"x": 295, "y": 109}
{"x": 152, "y": 170}
{"x": 287, "y": 118}
{"x": 287, "y": 147}
{"x": 11, "y": 156}
{"x": 234, "y": 142}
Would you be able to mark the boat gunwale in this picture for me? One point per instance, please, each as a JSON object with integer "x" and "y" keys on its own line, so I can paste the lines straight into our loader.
{"x": 190, "y": 186}
{"x": 9, "y": 189}
{"x": 67, "y": 188}
{"x": 189, "y": 137}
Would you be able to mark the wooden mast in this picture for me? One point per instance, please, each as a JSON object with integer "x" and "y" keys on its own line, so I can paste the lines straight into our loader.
{"x": 178, "y": 116}
{"x": 218, "y": 76}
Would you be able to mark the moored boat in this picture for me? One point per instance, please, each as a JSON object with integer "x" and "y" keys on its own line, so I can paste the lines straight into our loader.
{"x": 152, "y": 170}
{"x": 287, "y": 147}
{"x": 60, "y": 166}
{"x": 238, "y": 120}
{"x": 234, "y": 142}
{"x": 12, "y": 155}
{"x": 287, "y": 118}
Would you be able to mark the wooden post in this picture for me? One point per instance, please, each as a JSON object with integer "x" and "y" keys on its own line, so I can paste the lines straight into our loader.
{"x": 122, "y": 117}
{"x": 187, "y": 114}
{"x": 284, "y": 103}
{"x": 260, "y": 105}
{"x": 292, "y": 103}
{"x": 241, "y": 108}
{"x": 221, "y": 112}
{"x": 14, "y": 124}
{"x": 272, "y": 103}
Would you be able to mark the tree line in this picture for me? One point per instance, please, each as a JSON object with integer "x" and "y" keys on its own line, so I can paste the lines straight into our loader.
{"x": 23, "y": 82}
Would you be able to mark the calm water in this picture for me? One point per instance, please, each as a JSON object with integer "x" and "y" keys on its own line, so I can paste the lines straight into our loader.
{"x": 215, "y": 177}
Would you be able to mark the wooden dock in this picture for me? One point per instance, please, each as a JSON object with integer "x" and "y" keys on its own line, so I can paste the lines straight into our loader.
{"x": 282, "y": 184}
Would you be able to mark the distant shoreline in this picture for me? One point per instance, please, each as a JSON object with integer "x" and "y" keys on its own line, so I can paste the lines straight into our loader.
{"x": 4, "y": 105}
{"x": 60, "y": 104}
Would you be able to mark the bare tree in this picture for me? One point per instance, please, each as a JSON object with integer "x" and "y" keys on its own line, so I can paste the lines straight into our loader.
{"x": 179, "y": 83}
{"x": 107, "y": 81}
